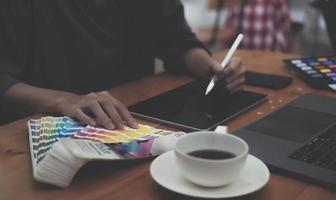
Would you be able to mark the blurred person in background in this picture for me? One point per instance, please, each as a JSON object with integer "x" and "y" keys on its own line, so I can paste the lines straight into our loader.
{"x": 264, "y": 23}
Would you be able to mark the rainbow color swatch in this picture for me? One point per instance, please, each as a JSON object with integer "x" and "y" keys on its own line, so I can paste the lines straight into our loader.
{"x": 48, "y": 130}
{"x": 117, "y": 136}
{"x": 128, "y": 142}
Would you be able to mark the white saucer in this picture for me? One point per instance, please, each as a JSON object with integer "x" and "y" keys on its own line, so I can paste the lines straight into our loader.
{"x": 254, "y": 176}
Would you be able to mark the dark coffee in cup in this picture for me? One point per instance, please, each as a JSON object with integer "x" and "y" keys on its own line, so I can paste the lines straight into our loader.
{"x": 212, "y": 154}
{"x": 210, "y": 159}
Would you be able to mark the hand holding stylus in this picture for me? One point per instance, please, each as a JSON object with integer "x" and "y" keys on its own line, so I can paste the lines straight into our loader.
{"x": 229, "y": 73}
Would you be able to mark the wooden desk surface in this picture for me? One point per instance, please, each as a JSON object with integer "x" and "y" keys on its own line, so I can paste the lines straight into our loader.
{"x": 132, "y": 180}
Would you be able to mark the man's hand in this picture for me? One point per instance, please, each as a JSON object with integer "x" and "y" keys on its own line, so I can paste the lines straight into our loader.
{"x": 232, "y": 75}
{"x": 202, "y": 65}
{"x": 96, "y": 109}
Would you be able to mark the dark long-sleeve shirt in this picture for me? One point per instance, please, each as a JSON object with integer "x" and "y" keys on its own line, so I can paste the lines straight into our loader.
{"x": 83, "y": 46}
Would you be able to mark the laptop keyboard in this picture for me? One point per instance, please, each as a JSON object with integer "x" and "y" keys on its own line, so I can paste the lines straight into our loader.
{"x": 320, "y": 150}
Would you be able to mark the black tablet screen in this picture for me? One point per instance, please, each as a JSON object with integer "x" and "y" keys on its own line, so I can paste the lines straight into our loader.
{"x": 187, "y": 106}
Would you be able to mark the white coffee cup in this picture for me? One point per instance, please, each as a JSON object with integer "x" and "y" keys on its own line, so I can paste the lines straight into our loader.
{"x": 210, "y": 172}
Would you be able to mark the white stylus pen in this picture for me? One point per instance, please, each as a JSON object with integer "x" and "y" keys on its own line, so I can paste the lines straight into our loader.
{"x": 226, "y": 61}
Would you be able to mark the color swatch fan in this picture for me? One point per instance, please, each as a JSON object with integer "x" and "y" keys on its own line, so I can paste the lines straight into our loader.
{"x": 60, "y": 146}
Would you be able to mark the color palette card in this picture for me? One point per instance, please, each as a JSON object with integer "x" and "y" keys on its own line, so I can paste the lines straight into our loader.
{"x": 144, "y": 148}
{"x": 128, "y": 143}
{"x": 60, "y": 146}
{"x": 44, "y": 132}
{"x": 319, "y": 72}
{"x": 117, "y": 136}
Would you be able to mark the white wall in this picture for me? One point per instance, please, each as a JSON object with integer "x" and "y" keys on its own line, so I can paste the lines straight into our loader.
{"x": 197, "y": 14}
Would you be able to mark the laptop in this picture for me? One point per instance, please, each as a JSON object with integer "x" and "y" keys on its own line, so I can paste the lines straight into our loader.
{"x": 298, "y": 139}
{"x": 187, "y": 107}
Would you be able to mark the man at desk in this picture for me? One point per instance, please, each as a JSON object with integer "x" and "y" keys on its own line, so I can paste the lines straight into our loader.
{"x": 59, "y": 56}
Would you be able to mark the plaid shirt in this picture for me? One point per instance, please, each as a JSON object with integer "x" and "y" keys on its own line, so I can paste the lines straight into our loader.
{"x": 265, "y": 24}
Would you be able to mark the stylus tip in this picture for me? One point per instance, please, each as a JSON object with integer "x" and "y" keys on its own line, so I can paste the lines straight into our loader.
{"x": 209, "y": 88}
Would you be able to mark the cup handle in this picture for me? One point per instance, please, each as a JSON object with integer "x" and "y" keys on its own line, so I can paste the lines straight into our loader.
{"x": 221, "y": 129}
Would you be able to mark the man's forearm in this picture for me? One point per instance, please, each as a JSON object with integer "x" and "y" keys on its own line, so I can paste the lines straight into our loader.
{"x": 39, "y": 99}
{"x": 199, "y": 62}
{"x": 96, "y": 108}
